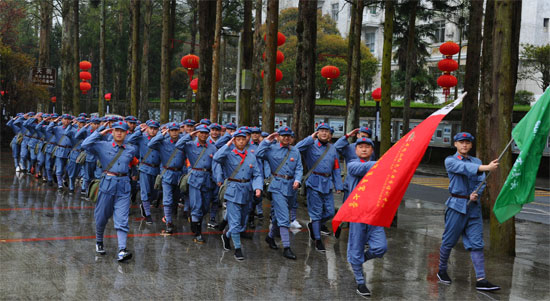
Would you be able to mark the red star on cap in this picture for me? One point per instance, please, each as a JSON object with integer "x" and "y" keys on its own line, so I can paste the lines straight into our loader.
{"x": 286, "y": 129}
{"x": 464, "y": 135}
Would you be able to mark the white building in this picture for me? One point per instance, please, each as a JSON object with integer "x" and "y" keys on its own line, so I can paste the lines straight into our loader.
{"x": 534, "y": 30}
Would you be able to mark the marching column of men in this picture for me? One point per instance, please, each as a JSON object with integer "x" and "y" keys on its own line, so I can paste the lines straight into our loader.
{"x": 202, "y": 166}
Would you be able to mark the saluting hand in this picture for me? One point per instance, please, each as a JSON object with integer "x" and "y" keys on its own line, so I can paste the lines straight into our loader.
{"x": 314, "y": 135}
{"x": 353, "y": 133}
{"x": 258, "y": 193}
{"x": 164, "y": 131}
{"x": 193, "y": 133}
{"x": 230, "y": 141}
{"x": 272, "y": 136}
{"x": 105, "y": 131}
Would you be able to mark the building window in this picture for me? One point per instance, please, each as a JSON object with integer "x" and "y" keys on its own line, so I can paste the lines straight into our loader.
{"x": 439, "y": 31}
{"x": 370, "y": 38}
{"x": 545, "y": 23}
{"x": 334, "y": 11}
{"x": 372, "y": 9}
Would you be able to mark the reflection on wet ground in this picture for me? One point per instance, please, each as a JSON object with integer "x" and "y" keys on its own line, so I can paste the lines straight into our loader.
{"x": 47, "y": 252}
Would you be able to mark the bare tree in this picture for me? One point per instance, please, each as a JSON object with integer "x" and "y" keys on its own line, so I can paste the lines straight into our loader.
{"x": 207, "y": 13}
{"x": 216, "y": 62}
{"x": 248, "y": 48}
{"x": 144, "y": 95}
{"x": 352, "y": 116}
{"x": 165, "y": 64}
{"x": 76, "y": 59}
{"x": 134, "y": 84}
{"x": 257, "y": 66}
{"x": 413, "y": 4}
{"x": 67, "y": 70}
{"x": 46, "y": 9}
{"x": 385, "y": 106}
{"x": 100, "y": 102}
{"x": 268, "y": 109}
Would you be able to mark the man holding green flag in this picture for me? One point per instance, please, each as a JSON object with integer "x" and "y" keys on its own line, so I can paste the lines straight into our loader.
{"x": 530, "y": 135}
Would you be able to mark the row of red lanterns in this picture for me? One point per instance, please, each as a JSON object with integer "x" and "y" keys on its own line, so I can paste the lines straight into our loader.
{"x": 85, "y": 76}
{"x": 280, "y": 57}
{"x": 448, "y": 65}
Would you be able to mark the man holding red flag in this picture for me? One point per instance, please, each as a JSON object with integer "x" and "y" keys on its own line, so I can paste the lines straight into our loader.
{"x": 359, "y": 233}
{"x": 463, "y": 214}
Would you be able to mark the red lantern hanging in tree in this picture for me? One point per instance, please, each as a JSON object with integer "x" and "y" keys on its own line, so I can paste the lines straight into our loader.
{"x": 53, "y": 99}
{"x": 330, "y": 73}
{"x": 85, "y": 87}
{"x": 194, "y": 85}
{"x": 85, "y": 65}
{"x": 281, "y": 39}
{"x": 2, "y": 93}
{"x": 108, "y": 96}
{"x": 190, "y": 62}
{"x": 449, "y": 48}
{"x": 280, "y": 57}
{"x": 447, "y": 82}
{"x": 447, "y": 65}
{"x": 278, "y": 75}
{"x": 85, "y": 76}
{"x": 377, "y": 94}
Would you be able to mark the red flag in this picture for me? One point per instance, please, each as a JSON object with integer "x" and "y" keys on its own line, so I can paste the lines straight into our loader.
{"x": 376, "y": 198}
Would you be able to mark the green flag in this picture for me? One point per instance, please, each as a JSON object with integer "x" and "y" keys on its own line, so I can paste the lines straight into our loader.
{"x": 530, "y": 135}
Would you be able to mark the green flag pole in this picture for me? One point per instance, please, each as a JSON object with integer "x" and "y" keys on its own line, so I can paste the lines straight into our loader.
{"x": 489, "y": 173}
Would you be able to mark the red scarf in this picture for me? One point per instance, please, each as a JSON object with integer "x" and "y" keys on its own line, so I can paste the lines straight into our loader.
{"x": 243, "y": 156}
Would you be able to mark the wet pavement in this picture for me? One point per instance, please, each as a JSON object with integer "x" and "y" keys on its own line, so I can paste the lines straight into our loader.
{"x": 47, "y": 252}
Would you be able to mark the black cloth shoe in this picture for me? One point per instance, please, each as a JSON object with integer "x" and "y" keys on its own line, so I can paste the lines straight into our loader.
{"x": 310, "y": 230}
{"x": 148, "y": 220}
{"x": 338, "y": 232}
{"x": 196, "y": 228}
{"x": 271, "y": 242}
{"x": 239, "y": 254}
{"x": 123, "y": 255}
{"x": 319, "y": 246}
{"x": 212, "y": 224}
{"x": 99, "y": 248}
{"x": 169, "y": 228}
{"x": 289, "y": 254}
{"x": 363, "y": 290}
{"x": 251, "y": 223}
{"x": 485, "y": 285}
{"x": 324, "y": 230}
{"x": 225, "y": 242}
{"x": 142, "y": 210}
{"x": 443, "y": 277}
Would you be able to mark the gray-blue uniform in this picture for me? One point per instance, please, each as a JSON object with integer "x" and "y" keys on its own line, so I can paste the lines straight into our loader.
{"x": 359, "y": 233}
{"x": 238, "y": 192}
{"x": 347, "y": 150}
{"x": 73, "y": 169}
{"x": 30, "y": 124}
{"x": 114, "y": 189}
{"x": 49, "y": 159}
{"x": 200, "y": 180}
{"x": 90, "y": 163}
{"x": 461, "y": 218}
{"x": 41, "y": 132}
{"x": 24, "y": 154}
{"x": 172, "y": 173}
{"x": 149, "y": 159}
{"x": 282, "y": 192}
{"x": 320, "y": 200}
{"x": 217, "y": 177}
{"x": 253, "y": 147}
{"x": 63, "y": 144}
{"x": 15, "y": 147}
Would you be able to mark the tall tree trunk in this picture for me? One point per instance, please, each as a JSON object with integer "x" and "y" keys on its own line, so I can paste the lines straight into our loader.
{"x": 134, "y": 84}
{"x": 117, "y": 66}
{"x": 144, "y": 95}
{"x": 306, "y": 30}
{"x": 257, "y": 66}
{"x": 351, "y": 44}
{"x": 505, "y": 66}
{"x": 248, "y": 48}
{"x": 46, "y": 8}
{"x": 272, "y": 24}
{"x": 216, "y": 61}
{"x": 100, "y": 102}
{"x": 67, "y": 70}
{"x": 76, "y": 60}
{"x": 165, "y": 64}
{"x": 385, "y": 105}
{"x": 126, "y": 103}
{"x": 352, "y": 117}
{"x": 485, "y": 132}
{"x": 471, "y": 78}
{"x": 207, "y": 13}
{"x": 411, "y": 64}
{"x": 189, "y": 108}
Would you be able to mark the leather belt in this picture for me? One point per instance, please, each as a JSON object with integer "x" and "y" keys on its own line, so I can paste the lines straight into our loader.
{"x": 238, "y": 180}
{"x": 282, "y": 176}
{"x": 116, "y": 174}
{"x": 150, "y": 165}
{"x": 28, "y": 136}
{"x": 201, "y": 169}
{"x": 460, "y": 196}
{"x": 64, "y": 146}
{"x": 172, "y": 169}
{"x": 322, "y": 174}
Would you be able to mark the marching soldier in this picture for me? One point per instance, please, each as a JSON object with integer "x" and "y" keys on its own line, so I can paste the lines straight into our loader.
{"x": 346, "y": 149}
{"x": 73, "y": 169}
{"x": 63, "y": 144}
{"x": 286, "y": 165}
{"x": 172, "y": 160}
{"x": 200, "y": 183}
{"x": 149, "y": 159}
{"x": 15, "y": 145}
{"x": 188, "y": 126}
{"x": 324, "y": 172}
{"x": 114, "y": 189}
{"x": 463, "y": 214}
{"x": 243, "y": 175}
{"x": 361, "y": 234}
{"x": 90, "y": 164}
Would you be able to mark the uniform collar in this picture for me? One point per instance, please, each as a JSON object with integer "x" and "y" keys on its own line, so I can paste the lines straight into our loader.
{"x": 115, "y": 145}
{"x": 319, "y": 143}
{"x": 460, "y": 157}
